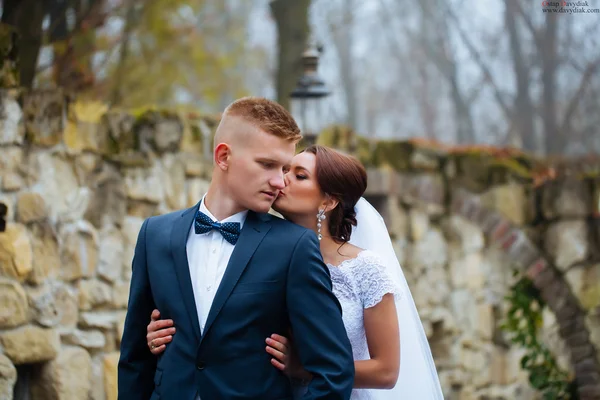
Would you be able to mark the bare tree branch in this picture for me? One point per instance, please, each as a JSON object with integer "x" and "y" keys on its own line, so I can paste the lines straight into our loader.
{"x": 583, "y": 84}
{"x": 476, "y": 90}
{"x": 537, "y": 35}
{"x": 482, "y": 65}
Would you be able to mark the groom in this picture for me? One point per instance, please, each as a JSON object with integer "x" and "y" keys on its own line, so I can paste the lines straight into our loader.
{"x": 229, "y": 275}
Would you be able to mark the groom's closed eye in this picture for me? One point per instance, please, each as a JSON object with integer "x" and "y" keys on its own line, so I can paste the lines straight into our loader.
{"x": 267, "y": 165}
{"x": 270, "y": 164}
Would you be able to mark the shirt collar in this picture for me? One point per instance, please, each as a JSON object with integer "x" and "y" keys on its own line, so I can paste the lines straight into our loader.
{"x": 239, "y": 217}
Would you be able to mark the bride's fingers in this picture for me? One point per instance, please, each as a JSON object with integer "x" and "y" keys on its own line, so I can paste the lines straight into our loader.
{"x": 279, "y": 345}
{"x": 277, "y": 364}
{"x": 154, "y": 336}
{"x": 157, "y": 350}
{"x": 160, "y": 341}
{"x": 160, "y": 333}
{"x": 155, "y": 316}
{"x": 281, "y": 339}
{"x": 155, "y": 326}
{"x": 276, "y": 353}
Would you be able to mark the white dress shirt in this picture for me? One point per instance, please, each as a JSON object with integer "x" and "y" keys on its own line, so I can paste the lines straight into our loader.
{"x": 208, "y": 255}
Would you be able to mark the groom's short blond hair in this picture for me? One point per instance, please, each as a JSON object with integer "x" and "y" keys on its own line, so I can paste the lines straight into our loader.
{"x": 264, "y": 114}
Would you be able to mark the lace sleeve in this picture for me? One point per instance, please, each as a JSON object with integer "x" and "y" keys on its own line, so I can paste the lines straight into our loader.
{"x": 373, "y": 280}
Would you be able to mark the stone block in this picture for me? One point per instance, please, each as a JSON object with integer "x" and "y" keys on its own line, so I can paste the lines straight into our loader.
{"x": 84, "y": 131}
{"x": 11, "y": 121}
{"x": 30, "y": 344}
{"x": 88, "y": 339}
{"x": 80, "y": 250}
{"x": 54, "y": 177}
{"x": 31, "y": 207}
{"x": 14, "y": 310}
{"x": 43, "y": 113}
{"x": 8, "y": 377}
{"x": 54, "y": 304}
{"x": 108, "y": 200}
{"x": 110, "y": 264}
{"x": 567, "y": 243}
{"x": 419, "y": 224}
{"x": 464, "y": 234}
{"x": 68, "y": 376}
{"x": 46, "y": 255}
{"x": 510, "y": 200}
{"x": 111, "y": 362}
{"x": 585, "y": 283}
{"x": 159, "y": 132}
{"x": 15, "y": 252}
{"x": 93, "y": 293}
{"x": 566, "y": 198}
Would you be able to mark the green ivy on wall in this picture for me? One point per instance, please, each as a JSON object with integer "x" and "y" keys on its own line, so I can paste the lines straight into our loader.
{"x": 523, "y": 321}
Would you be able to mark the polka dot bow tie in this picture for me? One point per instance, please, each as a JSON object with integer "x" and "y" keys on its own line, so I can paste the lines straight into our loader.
{"x": 204, "y": 224}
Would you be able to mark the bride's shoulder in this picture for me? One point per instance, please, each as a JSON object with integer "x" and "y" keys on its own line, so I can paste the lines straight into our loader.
{"x": 351, "y": 251}
{"x": 345, "y": 254}
{"x": 369, "y": 259}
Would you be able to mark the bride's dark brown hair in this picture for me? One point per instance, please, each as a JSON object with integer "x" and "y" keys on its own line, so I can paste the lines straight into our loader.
{"x": 344, "y": 178}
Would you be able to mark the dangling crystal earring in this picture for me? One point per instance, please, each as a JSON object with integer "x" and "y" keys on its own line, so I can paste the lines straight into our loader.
{"x": 320, "y": 217}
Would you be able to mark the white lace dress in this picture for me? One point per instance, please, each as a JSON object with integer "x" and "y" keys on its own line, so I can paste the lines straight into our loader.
{"x": 360, "y": 283}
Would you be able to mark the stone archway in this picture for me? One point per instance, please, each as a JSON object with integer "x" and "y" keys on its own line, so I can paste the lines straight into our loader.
{"x": 554, "y": 289}
{"x": 436, "y": 194}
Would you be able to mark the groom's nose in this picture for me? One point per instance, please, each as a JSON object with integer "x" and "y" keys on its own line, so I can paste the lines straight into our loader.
{"x": 277, "y": 182}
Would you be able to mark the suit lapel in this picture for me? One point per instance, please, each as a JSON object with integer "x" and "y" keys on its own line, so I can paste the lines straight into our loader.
{"x": 179, "y": 237}
{"x": 254, "y": 230}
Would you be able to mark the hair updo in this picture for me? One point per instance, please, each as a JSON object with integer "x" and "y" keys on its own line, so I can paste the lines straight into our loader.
{"x": 344, "y": 178}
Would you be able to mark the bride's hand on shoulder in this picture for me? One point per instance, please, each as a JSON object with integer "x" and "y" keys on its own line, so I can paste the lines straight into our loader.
{"x": 160, "y": 332}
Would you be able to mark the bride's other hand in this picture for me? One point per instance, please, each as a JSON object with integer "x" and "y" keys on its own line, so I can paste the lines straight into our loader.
{"x": 285, "y": 357}
{"x": 160, "y": 332}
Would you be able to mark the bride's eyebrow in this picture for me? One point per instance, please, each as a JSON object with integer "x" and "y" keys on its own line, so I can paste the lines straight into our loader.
{"x": 297, "y": 167}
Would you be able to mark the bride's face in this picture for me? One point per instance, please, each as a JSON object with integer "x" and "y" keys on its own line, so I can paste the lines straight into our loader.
{"x": 302, "y": 195}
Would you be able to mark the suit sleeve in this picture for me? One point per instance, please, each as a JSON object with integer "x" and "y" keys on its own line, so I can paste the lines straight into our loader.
{"x": 316, "y": 319}
{"x": 137, "y": 364}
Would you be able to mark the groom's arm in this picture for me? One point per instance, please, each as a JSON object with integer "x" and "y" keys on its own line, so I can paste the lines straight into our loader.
{"x": 136, "y": 363}
{"x": 316, "y": 319}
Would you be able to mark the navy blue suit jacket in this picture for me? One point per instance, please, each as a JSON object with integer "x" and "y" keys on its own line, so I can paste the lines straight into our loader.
{"x": 275, "y": 279}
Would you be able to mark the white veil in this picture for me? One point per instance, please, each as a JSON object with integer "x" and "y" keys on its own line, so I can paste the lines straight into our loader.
{"x": 418, "y": 377}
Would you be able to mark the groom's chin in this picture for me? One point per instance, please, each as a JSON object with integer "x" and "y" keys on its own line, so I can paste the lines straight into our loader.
{"x": 262, "y": 207}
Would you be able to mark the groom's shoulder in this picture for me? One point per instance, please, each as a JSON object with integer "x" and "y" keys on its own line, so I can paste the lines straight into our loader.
{"x": 167, "y": 218}
{"x": 280, "y": 225}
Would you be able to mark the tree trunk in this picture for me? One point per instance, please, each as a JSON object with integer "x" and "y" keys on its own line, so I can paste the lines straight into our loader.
{"x": 443, "y": 56}
{"x": 117, "y": 90}
{"x": 345, "y": 41}
{"x": 291, "y": 17}
{"x": 523, "y": 113}
{"x": 555, "y": 142}
{"x": 465, "y": 132}
{"x": 26, "y": 17}
{"x": 426, "y": 107}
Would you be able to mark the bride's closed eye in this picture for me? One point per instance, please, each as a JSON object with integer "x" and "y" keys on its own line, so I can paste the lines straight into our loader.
{"x": 301, "y": 177}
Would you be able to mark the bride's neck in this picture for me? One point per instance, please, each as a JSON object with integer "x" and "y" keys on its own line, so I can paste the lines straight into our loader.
{"x": 330, "y": 249}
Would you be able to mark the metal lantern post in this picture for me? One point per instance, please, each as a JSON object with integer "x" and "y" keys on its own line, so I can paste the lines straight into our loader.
{"x": 308, "y": 99}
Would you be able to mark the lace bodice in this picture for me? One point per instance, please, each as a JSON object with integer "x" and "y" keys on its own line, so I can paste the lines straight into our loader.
{"x": 360, "y": 283}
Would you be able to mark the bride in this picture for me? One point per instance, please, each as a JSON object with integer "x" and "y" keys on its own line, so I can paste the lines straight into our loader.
{"x": 392, "y": 358}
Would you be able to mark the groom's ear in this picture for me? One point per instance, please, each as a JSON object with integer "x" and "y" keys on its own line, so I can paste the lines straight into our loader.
{"x": 222, "y": 154}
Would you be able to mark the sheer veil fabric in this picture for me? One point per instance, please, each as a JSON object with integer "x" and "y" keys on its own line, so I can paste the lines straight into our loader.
{"x": 418, "y": 378}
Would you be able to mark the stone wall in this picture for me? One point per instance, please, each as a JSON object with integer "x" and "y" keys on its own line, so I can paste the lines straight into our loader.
{"x": 459, "y": 251}
{"x": 79, "y": 180}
